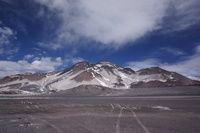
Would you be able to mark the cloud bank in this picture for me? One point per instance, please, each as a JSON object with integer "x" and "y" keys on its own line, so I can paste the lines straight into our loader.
{"x": 117, "y": 22}
{"x": 43, "y": 64}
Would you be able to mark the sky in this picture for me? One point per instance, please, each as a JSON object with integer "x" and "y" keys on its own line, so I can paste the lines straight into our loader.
{"x": 49, "y": 35}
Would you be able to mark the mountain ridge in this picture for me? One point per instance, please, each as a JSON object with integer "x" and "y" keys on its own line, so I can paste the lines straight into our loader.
{"x": 102, "y": 73}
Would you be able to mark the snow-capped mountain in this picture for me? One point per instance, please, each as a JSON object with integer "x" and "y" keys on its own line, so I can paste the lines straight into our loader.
{"x": 102, "y": 73}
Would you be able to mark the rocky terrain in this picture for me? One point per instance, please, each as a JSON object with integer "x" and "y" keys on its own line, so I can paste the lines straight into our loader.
{"x": 109, "y": 77}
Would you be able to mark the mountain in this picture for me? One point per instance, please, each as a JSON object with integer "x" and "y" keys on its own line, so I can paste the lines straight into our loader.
{"x": 103, "y": 74}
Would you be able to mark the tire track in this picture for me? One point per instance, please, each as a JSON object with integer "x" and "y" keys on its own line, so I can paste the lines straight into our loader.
{"x": 48, "y": 123}
{"x": 140, "y": 123}
{"x": 118, "y": 121}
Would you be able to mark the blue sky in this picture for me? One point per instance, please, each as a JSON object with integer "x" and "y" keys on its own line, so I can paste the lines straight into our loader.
{"x": 48, "y": 35}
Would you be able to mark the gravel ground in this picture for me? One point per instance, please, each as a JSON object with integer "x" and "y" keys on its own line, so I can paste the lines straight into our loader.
{"x": 147, "y": 114}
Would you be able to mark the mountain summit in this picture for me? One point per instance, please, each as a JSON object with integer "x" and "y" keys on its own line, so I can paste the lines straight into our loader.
{"x": 102, "y": 73}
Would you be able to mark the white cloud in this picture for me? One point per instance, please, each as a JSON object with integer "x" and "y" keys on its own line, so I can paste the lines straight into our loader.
{"x": 116, "y": 22}
{"x": 189, "y": 67}
{"x": 9, "y": 68}
{"x": 45, "y": 64}
{"x": 59, "y": 59}
{"x": 29, "y": 56}
{"x": 112, "y": 22}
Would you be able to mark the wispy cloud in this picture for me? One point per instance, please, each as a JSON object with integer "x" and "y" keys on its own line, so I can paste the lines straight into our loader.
{"x": 189, "y": 67}
{"x": 53, "y": 46}
{"x": 173, "y": 51}
{"x": 137, "y": 65}
{"x": 181, "y": 14}
{"x": 7, "y": 36}
{"x": 74, "y": 60}
{"x": 116, "y": 22}
{"x": 8, "y": 51}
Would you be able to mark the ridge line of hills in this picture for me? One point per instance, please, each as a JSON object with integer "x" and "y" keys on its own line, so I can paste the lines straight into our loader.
{"x": 103, "y": 74}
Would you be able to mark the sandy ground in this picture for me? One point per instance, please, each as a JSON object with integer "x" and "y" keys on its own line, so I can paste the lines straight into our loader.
{"x": 172, "y": 114}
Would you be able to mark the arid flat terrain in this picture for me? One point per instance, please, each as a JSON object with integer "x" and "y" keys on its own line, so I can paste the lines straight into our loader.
{"x": 146, "y": 114}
